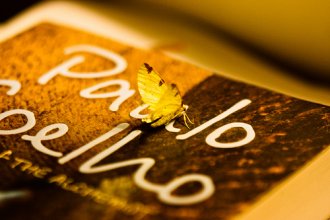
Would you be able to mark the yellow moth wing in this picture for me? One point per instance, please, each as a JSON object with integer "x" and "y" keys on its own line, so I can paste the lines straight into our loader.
{"x": 171, "y": 97}
{"x": 164, "y": 100}
{"x": 151, "y": 86}
{"x": 170, "y": 107}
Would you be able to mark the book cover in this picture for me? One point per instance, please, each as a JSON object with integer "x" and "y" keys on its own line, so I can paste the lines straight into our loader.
{"x": 73, "y": 145}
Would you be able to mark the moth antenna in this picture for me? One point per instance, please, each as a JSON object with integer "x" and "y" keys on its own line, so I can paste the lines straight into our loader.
{"x": 185, "y": 115}
{"x": 185, "y": 120}
{"x": 191, "y": 122}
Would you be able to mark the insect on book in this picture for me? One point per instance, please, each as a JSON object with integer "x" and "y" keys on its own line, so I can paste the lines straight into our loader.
{"x": 74, "y": 142}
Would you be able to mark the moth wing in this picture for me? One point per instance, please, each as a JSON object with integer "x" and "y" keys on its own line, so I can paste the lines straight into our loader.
{"x": 170, "y": 99}
{"x": 168, "y": 107}
{"x": 166, "y": 115}
{"x": 151, "y": 86}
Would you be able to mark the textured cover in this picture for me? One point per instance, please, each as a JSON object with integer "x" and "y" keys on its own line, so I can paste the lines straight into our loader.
{"x": 288, "y": 133}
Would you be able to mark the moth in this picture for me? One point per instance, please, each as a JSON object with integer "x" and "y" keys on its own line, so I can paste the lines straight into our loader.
{"x": 164, "y": 99}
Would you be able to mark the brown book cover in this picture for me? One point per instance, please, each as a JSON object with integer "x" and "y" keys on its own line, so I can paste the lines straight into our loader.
{"x": 72, "y": 144}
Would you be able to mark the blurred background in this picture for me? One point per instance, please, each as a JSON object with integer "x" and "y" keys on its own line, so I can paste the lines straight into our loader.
{"x": 294, "y": 35}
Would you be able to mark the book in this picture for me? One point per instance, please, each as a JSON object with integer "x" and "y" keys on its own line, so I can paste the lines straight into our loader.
{"x": 73, "y": 145}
